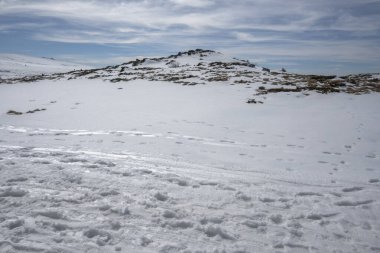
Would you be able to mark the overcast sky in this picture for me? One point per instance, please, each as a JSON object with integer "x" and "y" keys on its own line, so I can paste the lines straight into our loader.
{"x": 312, "y": 36}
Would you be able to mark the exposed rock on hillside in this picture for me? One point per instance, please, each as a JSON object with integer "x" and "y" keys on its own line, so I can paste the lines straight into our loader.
{"x": 206, "y": 66}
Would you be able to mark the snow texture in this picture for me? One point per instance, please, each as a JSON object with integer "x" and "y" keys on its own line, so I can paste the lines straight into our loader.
{"x": 158, "y": 167}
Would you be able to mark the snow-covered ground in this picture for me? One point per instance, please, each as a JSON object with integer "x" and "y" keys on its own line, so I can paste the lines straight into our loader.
{"x": 14, "y": 65}
{"x": 145, "y": 166}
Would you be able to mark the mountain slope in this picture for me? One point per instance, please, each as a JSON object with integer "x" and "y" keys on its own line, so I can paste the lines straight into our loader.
{"x": 14, "y": 65}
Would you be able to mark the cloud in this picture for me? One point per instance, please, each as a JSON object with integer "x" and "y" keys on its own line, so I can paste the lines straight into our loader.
{"x": 248, "y": 37}
{"x": 82, "y": 38}
{"x": 337, "y": 30}
{"x": 292, "y": 15}
{"x": 96, "y": 61}
{"x": 193, "y": 3}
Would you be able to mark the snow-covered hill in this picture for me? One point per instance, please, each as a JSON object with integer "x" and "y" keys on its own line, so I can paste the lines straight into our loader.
{"x": 199, "y": 67}
{"x": 165, "y": 155}
{"x": 14, "y": 65}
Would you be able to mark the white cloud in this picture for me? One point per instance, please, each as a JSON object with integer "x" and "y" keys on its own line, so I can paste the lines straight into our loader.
{"x": 193, "y": 3}
{"x": 241, "y": 36}
{"x": 25, "y": 26}
{"x": 88, "y": 38}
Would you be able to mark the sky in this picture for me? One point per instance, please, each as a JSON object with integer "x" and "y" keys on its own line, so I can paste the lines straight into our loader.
{"x": 304, "y": 36}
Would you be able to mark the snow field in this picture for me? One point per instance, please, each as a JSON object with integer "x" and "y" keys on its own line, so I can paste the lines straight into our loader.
{"x": 157, "y": 167}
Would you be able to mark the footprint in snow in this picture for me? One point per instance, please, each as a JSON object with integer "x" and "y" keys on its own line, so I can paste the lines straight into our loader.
{"x": 254, "y": 224}
{"x": 371, "y": 156}
{"x": 145, "y": 241}
{"x": 227, "y": 141}
{"x": 242, "y": 196}
{"x": 161, "y": 196}
{"x": 181, "y": 224}
{"x": 209, "y": 183}
{"x": 90, "y": 166}
{"x": 13, "y": 192}
{"x": 212, "y": 231}
{"x": 41, "y": 161}
{"x": 74, "y": 160}
{"x": 352, "y": 189}
{"x": 276, "y": 218}
{"x": 17, "y": 179}
{"x": 109, "y": 193}
{"x": 178, "y": 181}
{"x": 102, "y": 237}
{"x": 353, "y": 203}
{"x": 12, "y": 224}
{"x": 144, "y": 171}
{"x": 267, "y": 200}
{"x": 320, "y": 216}
{"x": 168, "y": 214}
{"x": 213, "y": 220}
{"x": 307, "y": 194}
{"x": 52, "y": 214}
{"x": 105, "y": 163}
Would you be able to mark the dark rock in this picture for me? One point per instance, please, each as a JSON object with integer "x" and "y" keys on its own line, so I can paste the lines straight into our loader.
{"x": 12, "y": 112}
{"x": 253, "y": 101}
